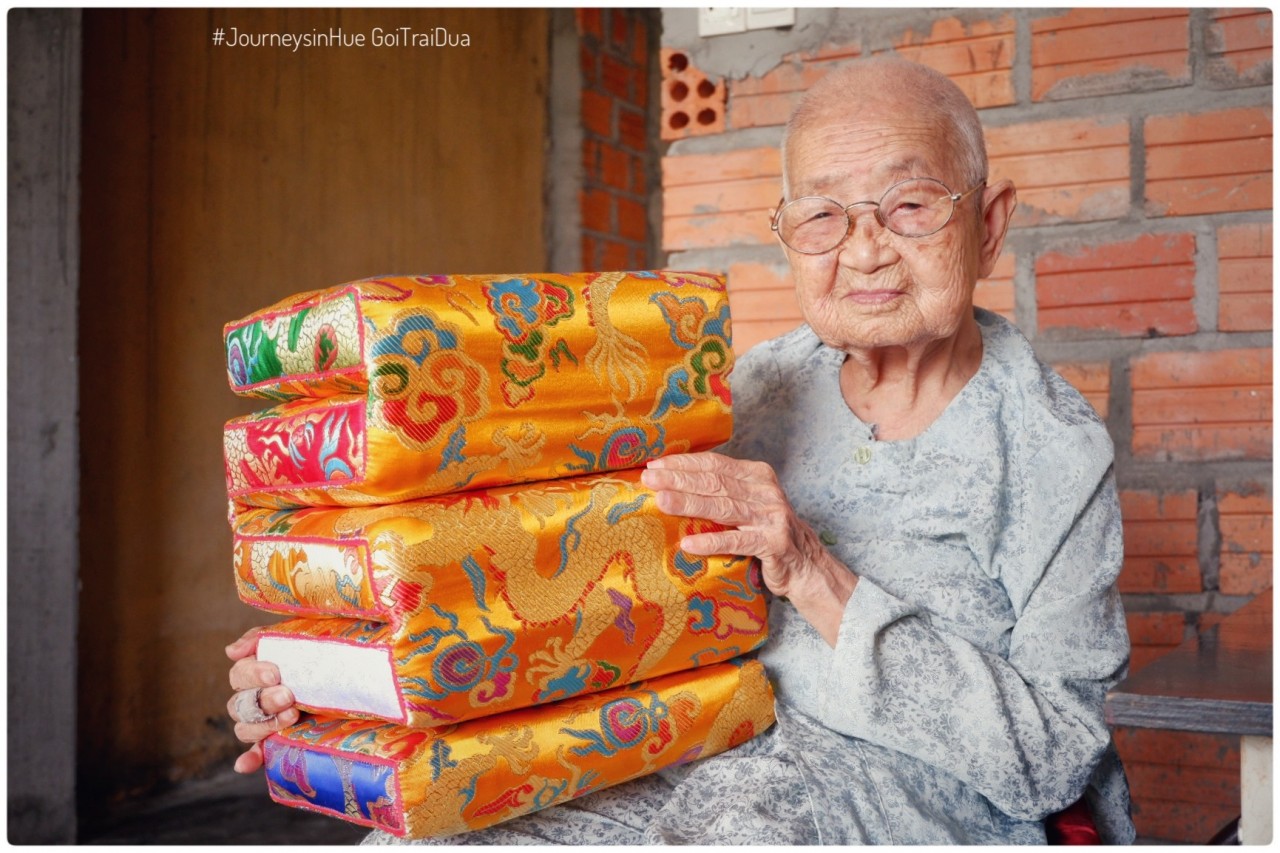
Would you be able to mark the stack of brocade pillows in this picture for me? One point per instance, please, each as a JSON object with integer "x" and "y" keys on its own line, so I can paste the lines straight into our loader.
{"x": 487, "y": 613}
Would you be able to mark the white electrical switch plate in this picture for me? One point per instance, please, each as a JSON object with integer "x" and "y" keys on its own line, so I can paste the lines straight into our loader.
{"x": 720, "y": 20}
{"x": 763, "y": 19}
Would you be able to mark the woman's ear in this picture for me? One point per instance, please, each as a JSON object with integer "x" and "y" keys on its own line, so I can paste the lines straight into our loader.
{"x": 998, "y": 203}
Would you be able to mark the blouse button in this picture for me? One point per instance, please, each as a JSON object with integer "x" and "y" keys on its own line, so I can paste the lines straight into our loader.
{"x": 827, "y": 538}
{"x": 862, "y": 455}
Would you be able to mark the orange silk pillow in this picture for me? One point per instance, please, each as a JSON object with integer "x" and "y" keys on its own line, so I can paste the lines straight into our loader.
{"x": 432, "y": 384}
{"x": 477, "y": 603}
{"x": 438, "y": 782}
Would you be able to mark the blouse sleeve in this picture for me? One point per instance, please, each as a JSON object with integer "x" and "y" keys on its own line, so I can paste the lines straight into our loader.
{"x": 1026, "y": 731}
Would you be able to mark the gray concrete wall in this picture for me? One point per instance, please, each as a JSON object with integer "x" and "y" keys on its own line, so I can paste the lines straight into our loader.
{"x": 564, "y": 147}
{"x": 44, "y": 155}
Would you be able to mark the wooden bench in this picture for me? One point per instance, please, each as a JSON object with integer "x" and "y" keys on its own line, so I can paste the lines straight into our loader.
{"x": 1218, "y": 681}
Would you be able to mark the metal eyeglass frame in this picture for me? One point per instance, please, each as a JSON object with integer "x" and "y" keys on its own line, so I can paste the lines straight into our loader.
{"x": 775, "y": 220}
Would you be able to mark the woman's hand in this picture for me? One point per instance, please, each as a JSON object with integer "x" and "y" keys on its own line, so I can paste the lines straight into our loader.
{"x": 746, "y": 497}
{"x": 248, "y": 677}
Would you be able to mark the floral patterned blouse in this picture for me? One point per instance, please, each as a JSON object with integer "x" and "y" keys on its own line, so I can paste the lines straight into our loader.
{"x": 963, "y": 700}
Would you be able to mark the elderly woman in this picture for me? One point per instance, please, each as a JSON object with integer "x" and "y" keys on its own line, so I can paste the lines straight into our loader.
{"x": 934, "y": 510}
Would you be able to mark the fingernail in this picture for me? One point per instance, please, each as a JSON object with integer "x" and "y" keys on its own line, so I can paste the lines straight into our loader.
{"x": 270, "y": 675}
{"x": 289, "y": 716}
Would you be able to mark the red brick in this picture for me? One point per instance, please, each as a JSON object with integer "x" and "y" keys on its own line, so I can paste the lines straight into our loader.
{"x": 1246, "y": 532}
{"x": 769, "y": 99}
{"x": 1161, "y": 575}
{"x": 639, "y": 180}
{"x": 692, "y": 104}
{"x": 589, "y": 63}
{"x": 1135, "y": 288}
{"x": 615, "y": 76}
{"x": 978, "y": 57}
{"x": 750, "y": 276}
{"x": 597, "y": 114}
{"x": 995, "y": 292}
{"x": 1142, "y": 656}
{"x": 1245, "y": 522}
{"x": 614, "y": 167}
{"x": 1179, "y": 821}
{"x": 1182, "y": 822}
{"x": 590, "y": 253}
{"x": 1208, "y": 162}
{"x": 640, "y": 44}
{"x": 1158, "y": 506}
{"x": 633, "y": 220}
{"x": 720, "y": 199}
{"x": 1205, "y": 621}
{"x": 758, "y": 194}
{"x": 640, "y": 86}
{"x": 1201, "y": 369}
{"x": 589, "y": 22}
{"x": 620, "y": 29}
{"x": 597, "y": 210}
{"x": 1183, "y": 749}
{"x": 712, "y": 230}
{"x": 829, "y": 50}
{"x": 1160, "y": 542}
{"x": 1209, "y": 785}
{"x": 748, "y": 333}
{"x": 633, "y": 130}
{"x": 1202, "y": 405}
{"x": 1066, "y": 170}
{"x": 613, "y": 255}
{"x": 1244, "y": 278}
{"x": 749, "y": 305}
{"x": 782, "y": 79}
{"x": 1156, "y": 629}
{"x": 762, "y": 110}
{"x": 744, "y": 163}
{"x": 1238, "y": 47}
{"x": 1091, "y": 379}
{"x": 1089, "y": 52}
{"x": 1245, "y": 574}
{"x": 591, "y": 158}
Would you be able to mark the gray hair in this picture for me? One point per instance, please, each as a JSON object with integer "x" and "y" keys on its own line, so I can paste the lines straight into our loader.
{"x": 892, "y": 79}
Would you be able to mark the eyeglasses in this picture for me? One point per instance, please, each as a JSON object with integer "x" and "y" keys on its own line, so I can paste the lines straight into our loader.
{"x": 916, "y": 207}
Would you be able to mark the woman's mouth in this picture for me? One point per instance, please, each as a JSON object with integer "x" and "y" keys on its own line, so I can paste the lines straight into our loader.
{"x": 873, "y": 297}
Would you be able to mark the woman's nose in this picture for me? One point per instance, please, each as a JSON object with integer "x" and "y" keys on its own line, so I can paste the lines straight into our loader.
{"x": 868, "y": 245}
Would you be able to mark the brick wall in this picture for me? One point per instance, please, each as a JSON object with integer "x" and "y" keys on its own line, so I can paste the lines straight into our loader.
{"x": 1139, "y": 264}
{"x": 618, "y": 163}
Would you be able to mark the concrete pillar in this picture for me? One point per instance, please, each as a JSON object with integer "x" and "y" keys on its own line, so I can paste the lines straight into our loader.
{"x": 1256, "y": 810}
{"x": 43, "y": 269}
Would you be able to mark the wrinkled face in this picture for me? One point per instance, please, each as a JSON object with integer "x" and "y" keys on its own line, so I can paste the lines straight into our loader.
{"x": 877, "y": 289}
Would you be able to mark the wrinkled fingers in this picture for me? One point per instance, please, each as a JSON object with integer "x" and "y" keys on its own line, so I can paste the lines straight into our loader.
{"x": 259, "y": 704}
{"x": 250, "y": 672}
{"x": 260, "y": 711}
{"x": 245, "y": 645}
{"x": 743, "y": 543}
{"x": 711, "y": 484}
{"x": 250, "y": 760}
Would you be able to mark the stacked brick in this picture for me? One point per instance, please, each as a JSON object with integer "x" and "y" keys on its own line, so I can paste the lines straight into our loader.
{"x": 614, "y": 60}
{"x": 1139, "y": 264}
